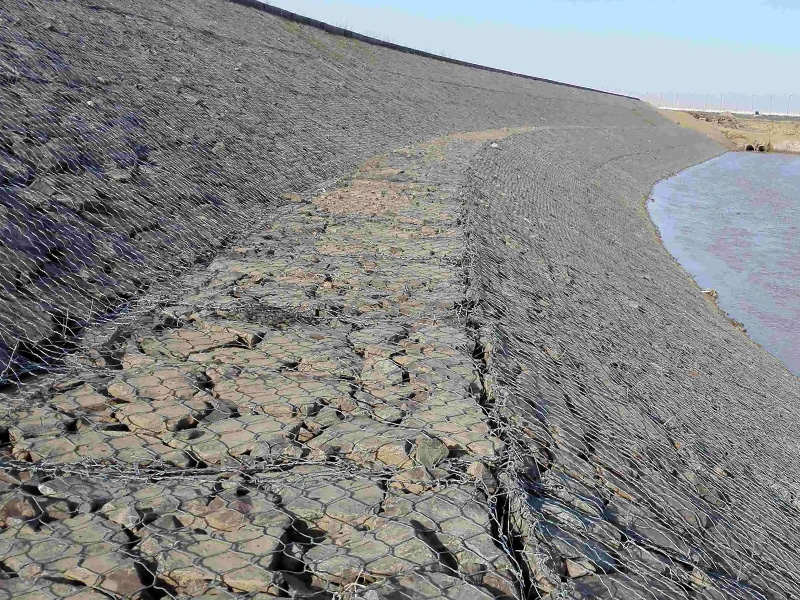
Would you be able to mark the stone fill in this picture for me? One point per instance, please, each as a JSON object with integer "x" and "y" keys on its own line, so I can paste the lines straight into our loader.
{"x": 462, "y": 369}
{"x": 137, "y": 138}
{"x": 315, "y": 426}
{"x": 652, "y": 436}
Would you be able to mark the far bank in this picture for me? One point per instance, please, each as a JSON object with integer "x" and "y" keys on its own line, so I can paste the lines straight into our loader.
{"x": 755, "y": 133}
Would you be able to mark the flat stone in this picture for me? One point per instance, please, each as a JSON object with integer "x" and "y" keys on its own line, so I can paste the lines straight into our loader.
{"x": 429, "y": 451}
{"x": 330, "y": 503}
{"x": 84, "y": 398}
{"x": 459, "y": 519}
{"x": 320, "y": 352}
{"x": 225, "y": 519}
{"x": 60, "y": 549}
{"x": 377, "y": 335}
{"x": 246, "y": 334}
{"x": 419, "y": 479}
{"x": 182, "y": 343}
{"x": 15, "y": 509}
{"x": 432, "y": 586}
{"x": 392, "y": 548}
{"x": 234, "y": 436}
{"x": 197, "y": 544}
{"x": 159, "y": 383}
{"x": 365, "y": 441}
{"x": 278, "y": 395}
{"x": 159, "y": 417}
{"x": 122, "y": 391}
{"x": 250, "y": 579}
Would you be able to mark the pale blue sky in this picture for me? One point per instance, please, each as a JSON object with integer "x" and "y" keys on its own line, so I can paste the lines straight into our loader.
{"x": 733, "y": 47}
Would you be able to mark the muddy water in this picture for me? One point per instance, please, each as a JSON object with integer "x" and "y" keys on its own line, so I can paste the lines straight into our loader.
{"x": 732, "y": 223}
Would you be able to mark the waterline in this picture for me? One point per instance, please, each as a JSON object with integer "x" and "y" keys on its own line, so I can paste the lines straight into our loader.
{"x": 733, "y": 223}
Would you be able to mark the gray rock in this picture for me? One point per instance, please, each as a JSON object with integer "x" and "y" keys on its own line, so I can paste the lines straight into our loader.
{"x": 429, "y": 451}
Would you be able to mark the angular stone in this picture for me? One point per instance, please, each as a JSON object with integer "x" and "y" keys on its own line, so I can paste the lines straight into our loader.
{"x": 625, "y": 587}
{"x": 250, "y": 579}
{"x": 380, "y": 371}
{"x": 459, "y": 519}
{"x": 392, "y": 548}
{"x": 578, "y": 568}
{"x": 433, "y": 586}
{"x": 365, "y": 441}
{"x": 113, "y": 572}
{"x": 419, "y": 479}
{"x": 429, "y": 451}
{"x": 481, "y": 473}
{"x": 237, "y": 332}
{"x": 59, "y": 510}
{"x": 333, "y": 504}
{"x": 125, "y": 515}
{"x": 42, "y": 589}
{"x": 16, "y": 509}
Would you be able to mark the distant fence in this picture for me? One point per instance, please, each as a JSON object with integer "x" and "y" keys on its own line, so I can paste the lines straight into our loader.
{"x": 779, "y": 105}
{"x": 287, "y": 14}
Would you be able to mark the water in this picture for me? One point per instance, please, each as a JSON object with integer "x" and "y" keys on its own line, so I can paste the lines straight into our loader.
{"x": 732, "y": 223}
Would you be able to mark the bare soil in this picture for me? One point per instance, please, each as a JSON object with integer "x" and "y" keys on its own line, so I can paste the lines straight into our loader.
{"x": 740, "y": 132}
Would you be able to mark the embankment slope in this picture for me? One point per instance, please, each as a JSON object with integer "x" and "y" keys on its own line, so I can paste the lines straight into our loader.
{"x": 641, "y": 406}
{"x": 136, "y": 137}
{"x": 325, "y": 407}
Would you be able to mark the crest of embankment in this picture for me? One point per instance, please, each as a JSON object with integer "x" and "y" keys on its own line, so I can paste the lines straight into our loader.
{"x": 325, "y": 409}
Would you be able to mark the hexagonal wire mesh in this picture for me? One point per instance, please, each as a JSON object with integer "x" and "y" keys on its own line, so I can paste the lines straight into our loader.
{"x": 300, "y": 416}
{"x": 644, "y": 423}
{"x": 320, "y": 411}
{"x": 258, "y": 440}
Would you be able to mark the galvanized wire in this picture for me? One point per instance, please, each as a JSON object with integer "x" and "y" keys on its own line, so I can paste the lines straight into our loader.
{"x": 236, "y": 366}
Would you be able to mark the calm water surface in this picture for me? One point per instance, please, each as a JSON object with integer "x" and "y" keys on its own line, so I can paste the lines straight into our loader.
{"x": 733, "y": 224}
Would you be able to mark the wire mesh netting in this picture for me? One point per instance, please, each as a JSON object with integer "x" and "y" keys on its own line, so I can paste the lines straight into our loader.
{"x": 654, "y": 440}
{"x": 137, "y": 140}
{"x": 308, "y": 420}
{"x": 228, "y": 376}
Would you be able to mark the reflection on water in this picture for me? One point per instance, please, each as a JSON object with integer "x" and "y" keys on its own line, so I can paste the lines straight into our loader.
{"x": 733, "y": 224}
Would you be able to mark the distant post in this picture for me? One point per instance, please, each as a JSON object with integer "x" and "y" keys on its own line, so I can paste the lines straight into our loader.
{"x": 788, "y": 104}
{"x": 770, "y": 103}
{"x": 705, "y": 106}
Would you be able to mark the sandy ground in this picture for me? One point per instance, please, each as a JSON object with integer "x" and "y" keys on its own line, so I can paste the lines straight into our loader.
{"x": 738, "y": 132}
